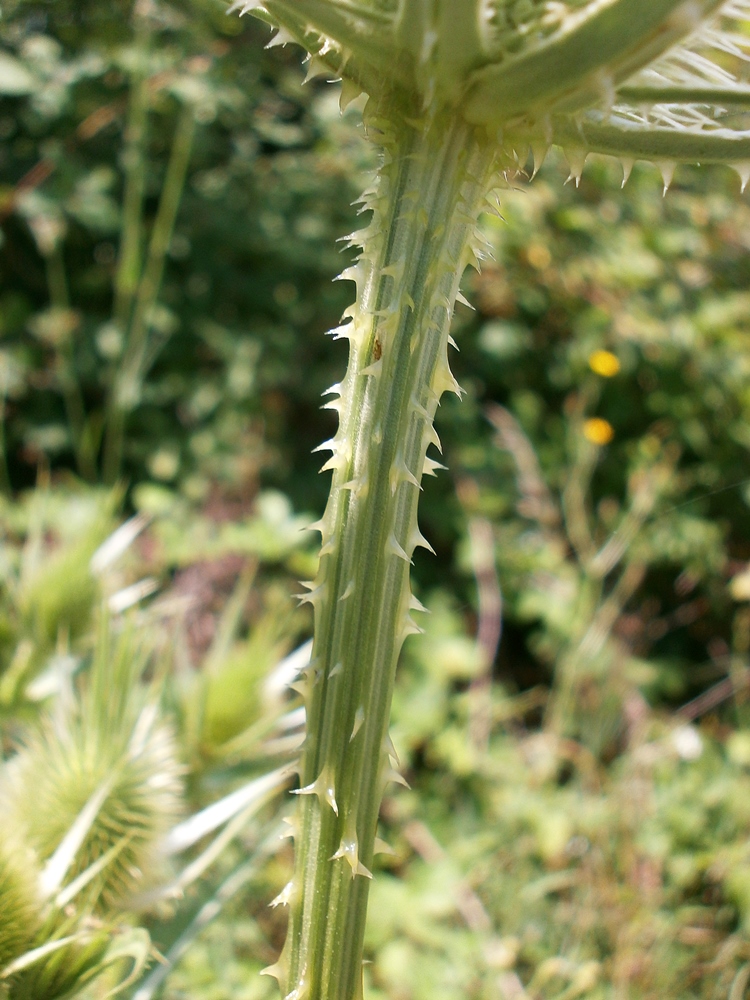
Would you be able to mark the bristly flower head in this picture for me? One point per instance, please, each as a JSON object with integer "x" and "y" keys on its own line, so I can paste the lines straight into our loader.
{"x": 20, "y": 907}
{"x": 660, "y": 80}
{"x": 106, "y": 753}
{"x": 63, "y": 768}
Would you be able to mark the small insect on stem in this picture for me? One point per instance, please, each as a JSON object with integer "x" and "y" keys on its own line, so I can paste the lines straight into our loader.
{"x": 377, "y": 350}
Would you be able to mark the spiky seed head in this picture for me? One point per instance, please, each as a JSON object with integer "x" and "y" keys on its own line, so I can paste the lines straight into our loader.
{"x": 58, "y": 593}
{"x": 63, "y": 766}
{"x": 65, "y": 971}
{"x": 20, "y": 907}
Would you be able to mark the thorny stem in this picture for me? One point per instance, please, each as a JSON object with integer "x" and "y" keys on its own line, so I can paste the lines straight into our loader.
{"x": 549, "y": 73}
{"x": 431, "y": 188}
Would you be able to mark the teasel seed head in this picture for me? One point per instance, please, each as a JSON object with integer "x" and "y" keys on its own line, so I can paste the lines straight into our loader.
{"x": 63, "y": 767}
{"x": 20, "y": 906}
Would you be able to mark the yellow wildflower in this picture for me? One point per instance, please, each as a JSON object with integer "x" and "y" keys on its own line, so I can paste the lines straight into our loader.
{"x": 604, "y": 363}
{"x": 598, "y": 431}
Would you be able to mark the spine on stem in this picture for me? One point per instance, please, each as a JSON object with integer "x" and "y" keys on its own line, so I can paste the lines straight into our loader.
{"x": 434, "y": 176}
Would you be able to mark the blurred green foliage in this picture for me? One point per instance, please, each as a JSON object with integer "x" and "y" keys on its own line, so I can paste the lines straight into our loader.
{"x": 230, "y": 343}
{"x": 170, "y": 198}
{"x": 136, "y": 749}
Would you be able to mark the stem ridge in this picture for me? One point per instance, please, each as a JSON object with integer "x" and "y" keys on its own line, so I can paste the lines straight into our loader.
{"x": 433, "y": 181}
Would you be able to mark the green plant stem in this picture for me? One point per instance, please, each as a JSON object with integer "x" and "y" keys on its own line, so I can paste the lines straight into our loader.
{"x": 57, "y": 284}
{"x": 134, "y": 170}
{"x": 4, "y": 473}
{"x": 432, "y": 184}
{"x": 139, "y": 352}
{"x": 57, "y": 280}
{"x": 579, "y": 663}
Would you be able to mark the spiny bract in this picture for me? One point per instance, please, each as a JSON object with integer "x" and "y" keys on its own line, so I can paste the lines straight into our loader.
{"x": 660, "y": 80}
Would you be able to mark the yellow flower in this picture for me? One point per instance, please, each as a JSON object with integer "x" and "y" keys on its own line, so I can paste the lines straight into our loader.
{"x": 598, "y": 431}
{"x": 604, "y": 363}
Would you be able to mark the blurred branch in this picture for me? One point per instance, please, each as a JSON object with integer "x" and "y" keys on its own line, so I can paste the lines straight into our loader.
{"x": 536, "y": 501}
{"x": 599, "y": 631}
{"x": 4, "y": 475}
{"x": 134, "y": 168}
{"x": 610, "y": 610}
{"x": 519, "y": 705}
{"x": 578, "y": 481}
{"x": 576, "y": 516}
{"x": 646, "y": 487}
{"x": 468, "y": 904}
{"x": 57, "y": 283}
{"x": 136, "y": 360}
{"x": 490, "y": 626}
{"x": 31, "y": 180}
{"x": 734, "y": 686}
{"x": 237, "y": 881}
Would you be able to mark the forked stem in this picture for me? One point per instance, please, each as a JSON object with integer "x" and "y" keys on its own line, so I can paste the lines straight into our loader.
{"x": 432, "y": 183}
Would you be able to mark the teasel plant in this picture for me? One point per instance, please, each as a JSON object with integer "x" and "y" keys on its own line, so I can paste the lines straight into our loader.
{"x": 98, "y": 829}
{"x": 463, "y": 97}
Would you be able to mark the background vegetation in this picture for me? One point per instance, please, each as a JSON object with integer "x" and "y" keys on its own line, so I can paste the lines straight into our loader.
{"x": 578, "y": 819}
